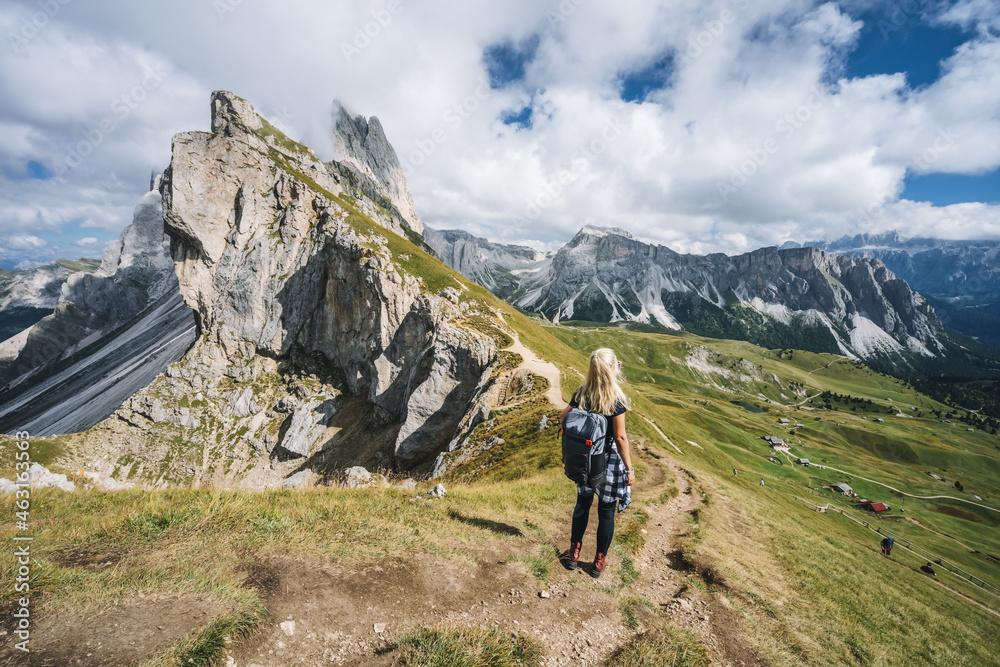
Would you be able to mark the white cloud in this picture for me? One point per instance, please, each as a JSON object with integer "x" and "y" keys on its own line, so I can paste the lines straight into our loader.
{"x": 978, "y": 15}
{"x": 22, "y": 242}
{"x": 765, "y": 75}
{"x": 828, "y": 25}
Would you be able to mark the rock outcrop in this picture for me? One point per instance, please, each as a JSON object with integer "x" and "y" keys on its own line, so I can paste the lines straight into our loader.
{"x": 323, "y": 341}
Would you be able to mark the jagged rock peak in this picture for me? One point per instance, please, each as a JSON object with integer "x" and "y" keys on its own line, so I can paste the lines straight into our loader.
{"x": 287, "y": 277}
{"x": 362, "y": 147}
{"x": 231, "y": 114}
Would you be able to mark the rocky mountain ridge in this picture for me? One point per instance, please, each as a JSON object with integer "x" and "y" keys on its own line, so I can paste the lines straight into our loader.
{"x": 936, "y": 266}
{"x": 39, "y": 287}
{"x": 803, "y": 297}
{"x": 960, "y": 278}
{"x": 112, "y": 332}
{"x": 497, "y": 267}
{"x": 369, "y": 162}
{"x": 28, "y": 295}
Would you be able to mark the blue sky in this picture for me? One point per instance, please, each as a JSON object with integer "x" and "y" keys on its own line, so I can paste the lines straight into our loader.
{"x": 896, "y": 40}
{"x": 706, "y": 125}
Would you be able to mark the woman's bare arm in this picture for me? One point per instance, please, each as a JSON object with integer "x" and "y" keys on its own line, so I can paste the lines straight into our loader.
{"x": 623, "y": 449}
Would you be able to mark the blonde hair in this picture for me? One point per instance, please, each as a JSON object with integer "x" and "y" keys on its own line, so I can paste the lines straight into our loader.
{"x": 600, "y": 392}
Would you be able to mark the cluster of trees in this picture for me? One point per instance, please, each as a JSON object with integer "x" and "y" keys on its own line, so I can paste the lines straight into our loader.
{"x": 979, "y": 420}
{"x": 974, "y": 403}
{"x": 829, "y": 399}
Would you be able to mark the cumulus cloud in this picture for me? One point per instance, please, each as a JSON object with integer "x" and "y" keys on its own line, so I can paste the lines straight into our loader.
{"x": 745, "y": 127}
{"x": 23, "y": 242}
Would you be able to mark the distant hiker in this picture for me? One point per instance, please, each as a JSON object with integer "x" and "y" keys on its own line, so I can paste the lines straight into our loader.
{"x": 928, "y": 569}
{"x": 600, "y": 393}
{"x": 762, "y": 482}
{"x": 886, "y": 546}
{"x": 735, "y": 473}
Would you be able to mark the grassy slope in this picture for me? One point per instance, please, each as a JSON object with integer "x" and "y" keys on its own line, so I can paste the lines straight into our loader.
{"x": 837, "y": 601}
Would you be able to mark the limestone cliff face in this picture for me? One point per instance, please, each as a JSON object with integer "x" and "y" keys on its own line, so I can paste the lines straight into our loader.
{"x": 316, "y": 343}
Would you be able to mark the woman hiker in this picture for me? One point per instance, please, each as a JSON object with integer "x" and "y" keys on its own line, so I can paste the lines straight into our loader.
{"x": 601, "y": 393}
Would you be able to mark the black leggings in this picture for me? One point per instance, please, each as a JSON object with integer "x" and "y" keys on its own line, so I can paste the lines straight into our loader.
{"x": 605, "y": 521}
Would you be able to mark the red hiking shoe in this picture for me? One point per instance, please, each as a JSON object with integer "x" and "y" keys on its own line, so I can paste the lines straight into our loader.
{"x": 572, "y": 556}
{"x": 599, "y": 564}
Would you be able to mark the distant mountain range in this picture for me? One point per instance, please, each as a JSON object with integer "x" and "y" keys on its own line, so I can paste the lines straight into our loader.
{"x": 838, "y": 300}
{"x": 961, "y": 279}
{"x": 497, "y": 267}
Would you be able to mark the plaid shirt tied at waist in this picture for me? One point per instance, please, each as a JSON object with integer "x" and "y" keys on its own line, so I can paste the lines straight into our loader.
{"x": 615, "y": 485}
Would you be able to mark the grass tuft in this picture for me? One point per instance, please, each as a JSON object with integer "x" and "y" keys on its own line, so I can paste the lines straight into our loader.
{"x": 630, "y": 608}
{"x": 468, "y": 647}
{"x": 540, "y": 566}
{"x": 630, "y": 538}
{"x": 662, "y": 648}
{"x": 627, "y": 571}
{"x": 208, "y": 647}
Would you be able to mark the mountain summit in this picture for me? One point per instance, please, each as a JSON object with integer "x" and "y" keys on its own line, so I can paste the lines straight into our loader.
{"x": 369, "y": 160}
{"x": 325, "y": 335}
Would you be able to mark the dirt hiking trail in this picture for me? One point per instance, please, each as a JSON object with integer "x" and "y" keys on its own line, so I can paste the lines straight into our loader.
{"x": 320, "y": 612}
{"x": 674, "y": 585}
{"x": 537, "y": 365}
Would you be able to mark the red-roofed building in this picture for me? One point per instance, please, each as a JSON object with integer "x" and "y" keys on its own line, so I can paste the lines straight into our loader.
{"x": 877, "y": 508}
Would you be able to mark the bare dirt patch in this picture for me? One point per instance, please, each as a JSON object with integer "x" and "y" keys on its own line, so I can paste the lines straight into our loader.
{"x": 87, "y": 556}
{"x": 113, "y": 635}
{"x": 324, "y": 614}
{"x": 957, "y": 512}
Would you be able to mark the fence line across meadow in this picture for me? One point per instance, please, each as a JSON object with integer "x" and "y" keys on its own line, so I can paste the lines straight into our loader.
{"x": 908, "y": 544}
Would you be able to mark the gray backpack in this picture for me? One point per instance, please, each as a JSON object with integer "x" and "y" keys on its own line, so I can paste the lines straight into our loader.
{"x": 585, "y": 448}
